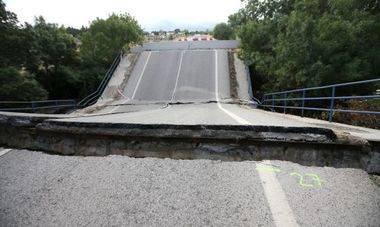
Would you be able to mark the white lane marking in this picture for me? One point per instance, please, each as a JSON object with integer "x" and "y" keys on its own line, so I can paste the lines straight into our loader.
{"x": 141, "y": 75}
{"x": 178, "y": 73}
{"x": 281, "y": 212}
{"x": 234, "y": 116}
{"x": 4, "y": 151}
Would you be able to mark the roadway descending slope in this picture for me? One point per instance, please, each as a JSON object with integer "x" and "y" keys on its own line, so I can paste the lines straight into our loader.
{"x": 186, "y": 72}
{"x": 154, "y": 76}
{"x": 178, "y": 76}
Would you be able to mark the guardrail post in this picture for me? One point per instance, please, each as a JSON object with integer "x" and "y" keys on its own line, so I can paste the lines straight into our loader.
{"x": 285, "y": 95}
{"x": 331, "y": 112}
{"x": 272, "y": 103}
{"x": 303, "y": 102}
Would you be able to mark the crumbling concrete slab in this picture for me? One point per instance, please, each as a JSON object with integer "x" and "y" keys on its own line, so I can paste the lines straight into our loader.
{"x": 305, "y": 145}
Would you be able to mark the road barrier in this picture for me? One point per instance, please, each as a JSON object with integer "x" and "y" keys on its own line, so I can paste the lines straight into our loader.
{"x": 35, "y": 106}
{"x": 298, "y": 97}
{"x": 93, "y": 97}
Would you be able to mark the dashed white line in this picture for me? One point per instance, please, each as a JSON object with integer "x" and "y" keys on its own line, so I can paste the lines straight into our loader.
{"x": 178, "y": 74}
{"x": 141, "y": 75}
{"x": 4, "y": 151}
{"x": 281, "y": 212}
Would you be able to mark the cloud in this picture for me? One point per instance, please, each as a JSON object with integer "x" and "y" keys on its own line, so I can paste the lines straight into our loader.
{"x": 151, "y": 14}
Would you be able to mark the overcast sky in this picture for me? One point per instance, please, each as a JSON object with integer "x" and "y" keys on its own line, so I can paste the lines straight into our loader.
{"x": 151, "y": 14}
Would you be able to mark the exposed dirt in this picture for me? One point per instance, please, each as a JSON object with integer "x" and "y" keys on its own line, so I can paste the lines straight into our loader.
{"x": 132, "y": 59}
{"x": 233, "y": 81}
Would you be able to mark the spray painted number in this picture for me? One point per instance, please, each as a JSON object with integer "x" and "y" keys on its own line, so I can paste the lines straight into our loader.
{"x": 308, "y": 180}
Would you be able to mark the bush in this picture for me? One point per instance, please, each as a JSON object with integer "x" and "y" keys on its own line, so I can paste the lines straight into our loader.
{"x": 20, "y": 87}
{"x": 365, "y": 120}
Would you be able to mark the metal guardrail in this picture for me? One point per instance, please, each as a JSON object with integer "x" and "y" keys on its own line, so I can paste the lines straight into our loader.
{"x": 33, "y": 106}
{"x": 281, "y": 100}
{"x": 93, "y": 97}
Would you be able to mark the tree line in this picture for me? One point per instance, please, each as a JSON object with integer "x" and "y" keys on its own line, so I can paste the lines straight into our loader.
{"x": 48, "y": 61}
{"x": 303, "y": 43}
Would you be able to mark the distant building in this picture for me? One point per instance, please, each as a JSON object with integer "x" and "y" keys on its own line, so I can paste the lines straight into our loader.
{"x": 157, "y": 36}
{"x": 199, "y": 37}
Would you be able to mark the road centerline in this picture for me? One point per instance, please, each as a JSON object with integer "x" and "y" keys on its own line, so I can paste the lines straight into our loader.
{"x": 178, "y": 74}
{"x": 281, "y": 212}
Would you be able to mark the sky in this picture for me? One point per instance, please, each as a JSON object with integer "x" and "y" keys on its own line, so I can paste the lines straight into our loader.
{"x": 151, "y": 14}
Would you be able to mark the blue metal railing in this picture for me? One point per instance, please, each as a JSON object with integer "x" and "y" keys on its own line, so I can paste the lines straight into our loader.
{"x": 34, "y": 106}
{"x": 93, "y": 97}
{"x": 281, "y": 100}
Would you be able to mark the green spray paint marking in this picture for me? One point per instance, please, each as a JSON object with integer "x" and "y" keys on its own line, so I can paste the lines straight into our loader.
{"x": 314, "y": 177}
{"x": 303, "y": 178}
{"x": 270, "y": 169}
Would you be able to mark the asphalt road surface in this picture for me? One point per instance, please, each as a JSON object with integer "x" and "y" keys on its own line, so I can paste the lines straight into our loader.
{"x": 154, "y": 76}
{"x": 179, "y": 76}
{"x": 38, "y": 189}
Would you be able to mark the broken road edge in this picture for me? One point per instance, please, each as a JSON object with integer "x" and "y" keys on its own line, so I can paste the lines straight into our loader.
{"x": 311, "y": 146}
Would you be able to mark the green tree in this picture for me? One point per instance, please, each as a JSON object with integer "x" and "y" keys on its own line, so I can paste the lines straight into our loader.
{"x": 100, "y": 45}
{"x": 186, "y": 32}
{"x": 15, "y": 51}
{"x": 55, "y": 53}
{"x": 223, "y": 31}
{"x": 105, "y": 38}
{"x": 77, "y": 33}
{"x": 15, "y": 40}
{"x": 19, "y": 86}
{"x": 299, "y": 43}
{"x": 67, "y": 62}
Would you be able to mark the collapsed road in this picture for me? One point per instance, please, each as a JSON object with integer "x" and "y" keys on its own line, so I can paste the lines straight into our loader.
{"x": 173, "y": 100}
{"x": 178, "y": 94}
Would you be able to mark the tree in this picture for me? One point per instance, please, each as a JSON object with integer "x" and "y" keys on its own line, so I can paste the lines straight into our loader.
{"x": 105, "y": 38}
{"x": 54, "y": 52}
{"x": 223, "y": 31}
{"x": 76, "y": 32}
{"x": 50, "y": 61}
{"x": 15, "y": 51}
{"x": 54, "y": 46}
{"x": 100, "y": 45}
{"x": 300, "y": 43}
{"x": 20, "y": 87}
{"x": 15, "y": 41}
{"x": 186, "y": 32}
